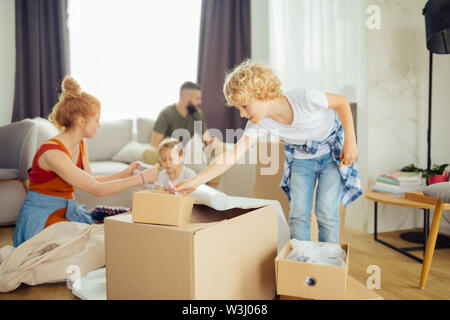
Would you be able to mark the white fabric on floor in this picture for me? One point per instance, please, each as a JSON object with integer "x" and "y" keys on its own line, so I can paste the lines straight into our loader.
{"x": 53, "y": 255}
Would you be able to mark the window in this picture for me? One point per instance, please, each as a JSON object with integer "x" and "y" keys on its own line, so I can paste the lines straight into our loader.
{"x": 134, "y": 55}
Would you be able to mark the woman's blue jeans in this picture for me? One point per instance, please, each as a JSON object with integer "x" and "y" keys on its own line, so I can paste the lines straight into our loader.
{"x": 304, "y": 173}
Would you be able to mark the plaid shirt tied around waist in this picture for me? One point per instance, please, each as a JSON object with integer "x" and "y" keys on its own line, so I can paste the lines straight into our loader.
{"x": 349, "y": 174}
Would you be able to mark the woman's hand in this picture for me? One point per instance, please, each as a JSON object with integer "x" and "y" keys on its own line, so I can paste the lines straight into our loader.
{"x": 349, "y": 153}
{"x": 150, "y": 175}
{"x": 186, "y": 186}
{"x": 128, "y": 172}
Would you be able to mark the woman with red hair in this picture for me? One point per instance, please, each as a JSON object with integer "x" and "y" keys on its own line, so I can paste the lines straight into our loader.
{"x": 62, "y": 163}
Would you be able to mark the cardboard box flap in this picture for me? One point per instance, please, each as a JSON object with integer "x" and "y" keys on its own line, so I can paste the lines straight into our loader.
{"x": 190, "y": 227}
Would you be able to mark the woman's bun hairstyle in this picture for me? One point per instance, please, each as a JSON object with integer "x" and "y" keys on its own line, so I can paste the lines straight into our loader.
{"x": 73, "y": 103}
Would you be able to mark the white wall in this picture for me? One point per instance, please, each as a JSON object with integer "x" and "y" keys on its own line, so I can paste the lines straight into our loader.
{"x": 393, "y": 104}
{"x": 260, "y": 30}
{"x": 398, "y": 102}
{"x": 7, "y": 59}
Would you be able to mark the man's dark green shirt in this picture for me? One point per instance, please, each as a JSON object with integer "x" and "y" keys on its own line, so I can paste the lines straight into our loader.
{"x": 169, "y": 120}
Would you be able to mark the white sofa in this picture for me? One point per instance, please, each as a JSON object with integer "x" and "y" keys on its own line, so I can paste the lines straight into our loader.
{"x": 18, "y": 141}
{"x": 135, "y": 135}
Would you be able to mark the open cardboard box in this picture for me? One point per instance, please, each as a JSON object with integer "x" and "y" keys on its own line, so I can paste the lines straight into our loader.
{"x": 329, "y": 282}
{"x": 161, "y": 207}
{"x": 217, "y": 255}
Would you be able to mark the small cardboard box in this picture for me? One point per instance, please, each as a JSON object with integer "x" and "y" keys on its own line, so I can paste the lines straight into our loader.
{"x": 218, "y": 255}
{"x": 328, "y": 282}
{"x": 161, "y": 207}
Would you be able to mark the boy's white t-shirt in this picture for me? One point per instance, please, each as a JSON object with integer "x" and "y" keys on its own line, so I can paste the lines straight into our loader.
{"x": 313, "y": 120}
{"x": 186, "y": 173}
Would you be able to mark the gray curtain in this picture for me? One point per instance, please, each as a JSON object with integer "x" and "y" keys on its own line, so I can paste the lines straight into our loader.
{"x": 224, "y": 43}
{"x": 42, "y": 56}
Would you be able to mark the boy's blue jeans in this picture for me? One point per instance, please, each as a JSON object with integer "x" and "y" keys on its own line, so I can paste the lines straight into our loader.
{"x": 328, "y": 195}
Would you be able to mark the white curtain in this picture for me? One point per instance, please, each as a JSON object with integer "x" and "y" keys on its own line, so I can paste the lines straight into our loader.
{"x": 134, "y": 55}
{"x": 317, "y": 44}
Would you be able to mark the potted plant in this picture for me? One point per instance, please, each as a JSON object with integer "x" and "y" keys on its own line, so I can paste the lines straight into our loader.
{"x": 436, "y": 174}
{"x": 411, "y": 168}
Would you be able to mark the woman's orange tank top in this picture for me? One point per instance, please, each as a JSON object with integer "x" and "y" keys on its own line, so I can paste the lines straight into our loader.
{"x": 48, "y": 182}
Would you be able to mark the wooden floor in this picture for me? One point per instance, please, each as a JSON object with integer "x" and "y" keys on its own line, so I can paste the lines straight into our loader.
{"x": 399, "y": 274}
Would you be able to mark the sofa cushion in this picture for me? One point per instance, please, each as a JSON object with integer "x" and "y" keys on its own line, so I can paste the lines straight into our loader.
{"x": 12, "y": 195}
{"x": 132, "y": 151}
{"x": 9, "y": 174}
{"x": 103, "y": 168}
{"x": 109, "y": 139}
{"x": 45, "y": 130}
{"x": 144, "y": 129}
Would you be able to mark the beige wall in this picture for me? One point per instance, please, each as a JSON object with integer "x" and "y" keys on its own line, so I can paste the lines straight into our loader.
{"x": 7, "y": 59}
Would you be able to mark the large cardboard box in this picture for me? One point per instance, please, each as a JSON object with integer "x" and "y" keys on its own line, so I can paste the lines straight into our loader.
{"x": 161, "y": 207}
{"x": 269, "y": 171}
{"x": 355, "y": 291}
{"x": 328, "y": 282}
{"x": 218, "y": 255}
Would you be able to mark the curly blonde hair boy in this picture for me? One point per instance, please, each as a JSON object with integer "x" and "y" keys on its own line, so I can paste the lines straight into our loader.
{"x": 250, "y": 79}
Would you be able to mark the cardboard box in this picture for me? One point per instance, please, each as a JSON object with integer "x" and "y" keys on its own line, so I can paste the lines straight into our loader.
{"x": 218, "y": 255}
{"x": 267, "y": 186}
{"x": 161, "y": 207}
{"x": 330, "y": 282}
{"x": 355, "y": 291}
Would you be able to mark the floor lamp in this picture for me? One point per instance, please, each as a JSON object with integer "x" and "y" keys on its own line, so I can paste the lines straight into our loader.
{"x": 437, "y": 29}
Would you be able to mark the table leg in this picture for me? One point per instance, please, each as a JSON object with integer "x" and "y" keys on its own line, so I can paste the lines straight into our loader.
{"x": 431, "y": 244}
{"x": 375, "y": 225}
{"x": 426, "y": 228}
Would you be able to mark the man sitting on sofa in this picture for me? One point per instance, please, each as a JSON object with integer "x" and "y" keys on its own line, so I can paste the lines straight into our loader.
{"x": 181, "y": 115}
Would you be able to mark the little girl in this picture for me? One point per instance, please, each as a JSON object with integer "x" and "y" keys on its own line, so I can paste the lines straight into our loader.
{"x": 171, "y": 155}
{"x": 312, "y": 123}
{"x": 62, "y": 164}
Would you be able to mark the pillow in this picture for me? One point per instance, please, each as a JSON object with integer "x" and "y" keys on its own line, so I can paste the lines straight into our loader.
{"x": 131, "y": 152}
{"x": 110, "y": 138}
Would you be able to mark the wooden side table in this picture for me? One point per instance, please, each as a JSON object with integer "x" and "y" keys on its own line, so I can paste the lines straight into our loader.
{"x": 386, "y": 198}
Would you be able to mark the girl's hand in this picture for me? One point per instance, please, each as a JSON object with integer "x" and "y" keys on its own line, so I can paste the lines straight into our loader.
{"x": 186, "y": 186}
{"x": 150, "y": 175}
{"x": 128, "y": 172}
{"x": 349, "y": 153}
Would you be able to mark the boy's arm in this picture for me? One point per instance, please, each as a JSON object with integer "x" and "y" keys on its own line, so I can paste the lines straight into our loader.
{"x": 349, "y": 150}
{"x": 221, "y": 164}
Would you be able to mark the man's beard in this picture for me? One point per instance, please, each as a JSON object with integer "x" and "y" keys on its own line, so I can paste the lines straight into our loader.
{"x": 191, "y": 108}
